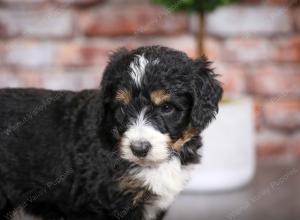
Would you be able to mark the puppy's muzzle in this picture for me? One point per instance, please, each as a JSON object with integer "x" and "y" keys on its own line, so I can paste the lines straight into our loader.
{"x": 140, "y": 148}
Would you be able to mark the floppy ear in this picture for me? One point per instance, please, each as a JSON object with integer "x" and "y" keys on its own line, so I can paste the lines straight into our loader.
{"x": 112, "y": 73}
{"x": 206, "y": 92}
{"x": 116, "y": 66}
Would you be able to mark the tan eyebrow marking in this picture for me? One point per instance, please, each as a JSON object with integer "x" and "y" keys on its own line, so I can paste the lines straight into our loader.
{"x": 187, "y": 136}
{"x": 124, "y": 96}
{"x": 160, "y": 96}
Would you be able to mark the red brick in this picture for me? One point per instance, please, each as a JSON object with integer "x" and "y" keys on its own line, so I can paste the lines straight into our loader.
{"x": 282, "y": 114}
{"x": 77, "y": 55}
{"x": 2, "y": 53}
{"x": 287, "y": 49}
{"x": 249, "y": 20}
{"x": 213, "y": 48}
{"x": 277, "y": 80}
{"x": 96, "y": 52}
{"x": 3, "y": 29}
{"x": 297, "y": 153}
{"x": 296, "y": 144}
{"x": 271, "y": 149}
{"x": 79, "y": 2}
{"x": 52, "y": 22}
{"x": 276, "y": 144}
{"x": 127, "y": 2}
{"x": 52, "y": 78}
{"x": 9, "y": 79}
{"x": 272, "y": 144}
{"x": 8, "y": 27}
{"x": 258, "y": 49}
{"x": 232, "y": 76}
{"x": 185, "y": 43}
{"x": 20, "y": 78}
{"x": 85, "y": 53}
{"x": 138, "y": 19}
{"x": 248, "y": 49}
{"x": 81, "y": 78}
{"x": 285, "y": 3}
{"x": 23, "y": 1}
{"x": 258, "y": 112}
{"x": 297, "y": 18}
{"x": 30, "y": 53}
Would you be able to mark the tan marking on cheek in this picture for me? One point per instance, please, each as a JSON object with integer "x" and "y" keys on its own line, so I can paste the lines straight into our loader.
{"x": 186, "y": 137}
{"x": 139, "y": 197}
{"x": 160, "y": 96}
{"x": 123, "y": 96}
{"x": 128, "y": 184}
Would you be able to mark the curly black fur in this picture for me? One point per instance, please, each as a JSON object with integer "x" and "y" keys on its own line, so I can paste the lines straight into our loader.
{"x": 59, "y": 150}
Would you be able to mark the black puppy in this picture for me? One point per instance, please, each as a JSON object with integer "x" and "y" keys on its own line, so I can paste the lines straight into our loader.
{"x": 121, "y": 152}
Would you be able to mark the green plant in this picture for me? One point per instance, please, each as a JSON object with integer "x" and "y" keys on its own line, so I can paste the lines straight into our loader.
{"x": 198, "y": 6}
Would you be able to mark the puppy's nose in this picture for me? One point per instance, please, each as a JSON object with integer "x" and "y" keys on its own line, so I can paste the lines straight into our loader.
{"x": 140, "y": 148}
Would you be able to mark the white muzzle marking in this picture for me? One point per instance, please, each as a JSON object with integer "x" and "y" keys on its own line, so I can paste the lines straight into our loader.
{"x": 142, "y": 130}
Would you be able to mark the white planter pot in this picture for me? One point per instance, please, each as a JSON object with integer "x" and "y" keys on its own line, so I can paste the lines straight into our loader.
{"x": 228, "y": 153}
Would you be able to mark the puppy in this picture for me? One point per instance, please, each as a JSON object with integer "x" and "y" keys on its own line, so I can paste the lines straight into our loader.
{"x": 123, "y": 151}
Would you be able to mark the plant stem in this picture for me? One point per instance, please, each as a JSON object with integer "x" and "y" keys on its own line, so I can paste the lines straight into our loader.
{"x": 201, "y": 34}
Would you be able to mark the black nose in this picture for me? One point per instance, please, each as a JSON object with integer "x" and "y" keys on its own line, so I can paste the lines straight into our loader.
{"x": 140, "y": 148}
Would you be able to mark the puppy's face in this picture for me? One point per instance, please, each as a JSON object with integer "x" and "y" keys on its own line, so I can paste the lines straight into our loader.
{"x": 159, "y": 101}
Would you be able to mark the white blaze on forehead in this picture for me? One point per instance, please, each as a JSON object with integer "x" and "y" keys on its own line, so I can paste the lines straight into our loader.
{"x": 138, "y": 67}
{"x": 141, "y": 119}
{"x": 141, "y": 130}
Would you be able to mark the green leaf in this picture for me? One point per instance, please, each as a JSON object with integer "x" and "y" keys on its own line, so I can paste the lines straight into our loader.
{"x": 193, "y": 5}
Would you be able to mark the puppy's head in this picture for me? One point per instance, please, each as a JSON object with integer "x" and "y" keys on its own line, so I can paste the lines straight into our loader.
{"x": 158, "y": 101}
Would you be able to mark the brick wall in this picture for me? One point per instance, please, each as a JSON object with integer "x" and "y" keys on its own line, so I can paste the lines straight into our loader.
{"x": 63, "y": 44}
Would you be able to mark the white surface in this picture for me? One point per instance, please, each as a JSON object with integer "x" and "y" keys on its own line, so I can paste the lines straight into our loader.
{"x": 228, "y": 153}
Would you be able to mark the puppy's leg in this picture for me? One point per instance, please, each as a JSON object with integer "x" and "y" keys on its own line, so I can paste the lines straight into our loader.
{"x": 6, "y": 214}
{"x": 6, "y": 210}
{"x": 87, "y": 216}
{"x": 161, "y": 215}
{"x": 45, "y": 211}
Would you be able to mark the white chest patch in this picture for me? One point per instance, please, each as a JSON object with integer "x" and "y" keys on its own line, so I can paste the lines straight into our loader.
{"x": 166, "y": 181}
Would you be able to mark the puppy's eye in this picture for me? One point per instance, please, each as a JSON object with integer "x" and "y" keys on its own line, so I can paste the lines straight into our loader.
{"x": 120, "y": 114}
{"x": 166, "y": 108}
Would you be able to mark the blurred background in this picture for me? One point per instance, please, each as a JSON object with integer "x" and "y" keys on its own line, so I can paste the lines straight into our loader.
{"x": 255, "y": 46}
